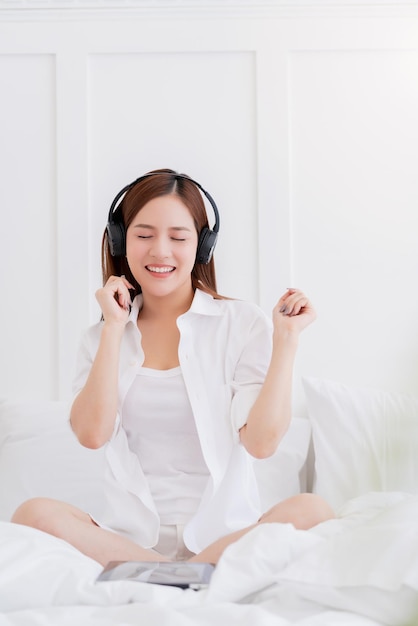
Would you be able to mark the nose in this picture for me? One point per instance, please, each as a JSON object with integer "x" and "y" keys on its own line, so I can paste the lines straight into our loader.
{"x": 160, "y": 248}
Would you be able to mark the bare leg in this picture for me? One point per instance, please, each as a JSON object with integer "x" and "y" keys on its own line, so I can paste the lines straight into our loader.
{"x": 77, "y": 528}
{"x": 303, "y": 511}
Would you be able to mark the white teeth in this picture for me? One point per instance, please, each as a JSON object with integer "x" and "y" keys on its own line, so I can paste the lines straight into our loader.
{"x": 160, "y": 270}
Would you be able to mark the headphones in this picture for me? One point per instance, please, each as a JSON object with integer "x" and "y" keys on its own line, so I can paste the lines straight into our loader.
{"x": 116, "y": 234}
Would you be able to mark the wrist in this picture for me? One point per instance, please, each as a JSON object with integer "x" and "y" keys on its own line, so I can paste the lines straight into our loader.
{"x": 285, "y": 338}
{"x": 113, "y": 328}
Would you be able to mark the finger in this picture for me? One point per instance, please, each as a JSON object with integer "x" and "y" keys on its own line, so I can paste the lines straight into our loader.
{"x": 287, "y": 299}
{"x": 118, "y": 285}
{"x": 127, "y": 300}
{"x": 117, "y": 279}
{"x": 289, "y": 291}
{"x": 123, "y": 298}
{"x": 127, "y": 283}
{"x": 294, "y": 304}
{"x": 299, "y": 307}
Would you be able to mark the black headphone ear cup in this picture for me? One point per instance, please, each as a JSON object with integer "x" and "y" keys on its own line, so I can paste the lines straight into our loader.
{"x": 116, "y": 238}
{"x": 206, "y": 245}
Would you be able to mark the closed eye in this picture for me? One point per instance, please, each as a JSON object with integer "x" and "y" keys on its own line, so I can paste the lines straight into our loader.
{"x": 172, "y": 238}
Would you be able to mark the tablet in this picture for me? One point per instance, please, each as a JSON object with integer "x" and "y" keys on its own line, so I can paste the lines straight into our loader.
{"x": 176, "y": 574}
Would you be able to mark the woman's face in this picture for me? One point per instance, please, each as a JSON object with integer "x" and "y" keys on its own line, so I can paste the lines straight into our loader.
{"x": 161, "y": 244}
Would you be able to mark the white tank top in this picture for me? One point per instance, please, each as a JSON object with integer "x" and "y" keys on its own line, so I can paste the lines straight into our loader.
{"x": 161, "y": 430}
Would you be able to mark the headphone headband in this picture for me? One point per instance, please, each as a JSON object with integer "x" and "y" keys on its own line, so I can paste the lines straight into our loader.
{"x": 116, "y": 231}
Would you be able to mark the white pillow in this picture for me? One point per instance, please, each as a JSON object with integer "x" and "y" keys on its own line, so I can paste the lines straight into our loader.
{"x": 364, "y": 440}
{"x": 40, "y": 456}
{"x": 285, "y": 473}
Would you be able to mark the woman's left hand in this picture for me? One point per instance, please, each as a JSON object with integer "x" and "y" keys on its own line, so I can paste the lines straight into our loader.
{"x": 293, "y": 312}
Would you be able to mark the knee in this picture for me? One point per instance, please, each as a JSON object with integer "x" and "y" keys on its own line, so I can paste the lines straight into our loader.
{"x": 314, "y": 510}
{"x": 303, "y": 511}
{"x": 38, "y": 513}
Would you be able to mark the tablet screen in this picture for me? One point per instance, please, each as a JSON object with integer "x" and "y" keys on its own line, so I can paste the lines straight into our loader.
{"x": 177, "y": 574}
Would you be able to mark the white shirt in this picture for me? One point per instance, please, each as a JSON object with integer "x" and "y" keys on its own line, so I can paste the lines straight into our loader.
{"x": 161, "y": 430}
{"x": 224, "y": 353}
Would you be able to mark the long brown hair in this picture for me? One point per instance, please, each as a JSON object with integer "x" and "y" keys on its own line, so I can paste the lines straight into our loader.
{"x": 161, "y": 183}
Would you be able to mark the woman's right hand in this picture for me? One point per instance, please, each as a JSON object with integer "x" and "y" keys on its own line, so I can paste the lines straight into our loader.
{"x": 114, "y": 299}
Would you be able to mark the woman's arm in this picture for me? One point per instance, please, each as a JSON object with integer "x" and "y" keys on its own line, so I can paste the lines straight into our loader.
{"x": 270, "y": 415}
{"x": 94, "y": 409}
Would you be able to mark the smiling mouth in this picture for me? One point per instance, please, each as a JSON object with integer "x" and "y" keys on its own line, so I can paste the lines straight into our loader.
{"x": 160, "y": 270}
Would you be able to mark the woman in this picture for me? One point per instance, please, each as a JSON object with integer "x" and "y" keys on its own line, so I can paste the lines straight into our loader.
{"x": 181, "y": 385}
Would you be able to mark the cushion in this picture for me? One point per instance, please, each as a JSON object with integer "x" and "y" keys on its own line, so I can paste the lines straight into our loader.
{"x": 364, "y": 440}
{"x": 41, "y": 456}
{"x": 285, "y": 473}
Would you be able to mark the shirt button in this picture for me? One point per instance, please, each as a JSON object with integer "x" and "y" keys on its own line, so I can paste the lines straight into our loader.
{"x": 132, "y": 363}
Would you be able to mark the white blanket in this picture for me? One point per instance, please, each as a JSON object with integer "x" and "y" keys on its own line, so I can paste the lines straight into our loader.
{"x": 360, "y": 569}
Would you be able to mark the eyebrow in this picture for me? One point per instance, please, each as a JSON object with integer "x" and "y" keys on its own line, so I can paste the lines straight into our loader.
{"x": 150, "y": 227}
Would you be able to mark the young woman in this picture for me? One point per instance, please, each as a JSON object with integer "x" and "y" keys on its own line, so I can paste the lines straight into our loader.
{"x": 183, "y": 387}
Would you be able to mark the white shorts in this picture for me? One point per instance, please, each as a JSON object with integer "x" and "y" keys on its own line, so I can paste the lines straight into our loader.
{"x": 170, "y": 543}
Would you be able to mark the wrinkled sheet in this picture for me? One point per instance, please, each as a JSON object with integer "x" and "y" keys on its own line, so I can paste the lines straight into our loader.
{"x": 360, "y": 569}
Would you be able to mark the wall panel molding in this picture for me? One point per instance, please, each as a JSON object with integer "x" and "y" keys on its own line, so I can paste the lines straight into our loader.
{"x": 29, "y": 354}
{"x": 252, "y": 162}
{"x": 72, "y": 207}
{"x": 225, "y": 9}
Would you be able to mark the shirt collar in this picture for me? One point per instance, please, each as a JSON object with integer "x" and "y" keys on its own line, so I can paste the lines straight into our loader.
{"x": 203, "y": 304}
{"x": 136, "y": 307}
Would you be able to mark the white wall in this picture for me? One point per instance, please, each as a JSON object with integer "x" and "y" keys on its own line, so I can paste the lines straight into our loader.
{"x": 299, "y": 118}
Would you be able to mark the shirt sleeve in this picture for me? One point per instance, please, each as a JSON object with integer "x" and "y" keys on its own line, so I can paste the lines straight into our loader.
{"x": 84, "y": 360}
{"x": 251, "y": 369}
{"x": 85, "y": 356}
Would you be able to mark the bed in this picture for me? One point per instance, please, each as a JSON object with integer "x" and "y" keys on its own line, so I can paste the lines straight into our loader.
{"x": 357, "y": 447}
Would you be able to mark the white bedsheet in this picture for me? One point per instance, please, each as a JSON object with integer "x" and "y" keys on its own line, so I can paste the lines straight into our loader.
{"x": 360, "y": 569}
